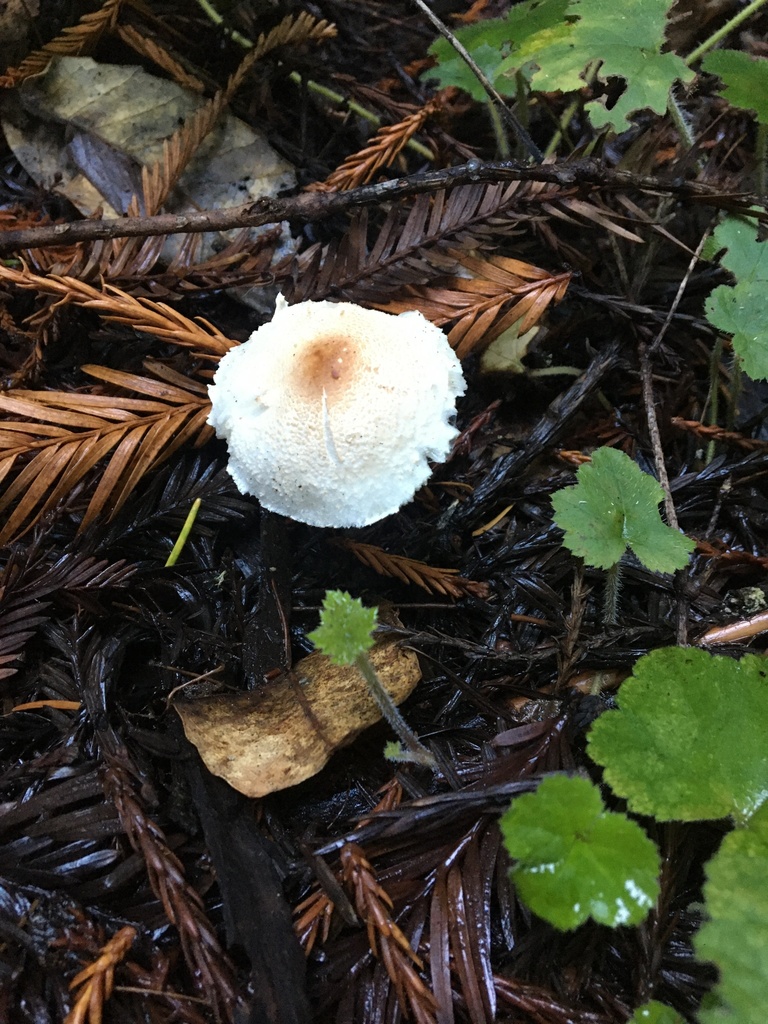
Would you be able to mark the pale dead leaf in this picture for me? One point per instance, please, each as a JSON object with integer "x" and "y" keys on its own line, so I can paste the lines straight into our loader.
{"x": 505, "y": 354}
{"x": 264, "y": 741}
{"x": 84, "y": 129}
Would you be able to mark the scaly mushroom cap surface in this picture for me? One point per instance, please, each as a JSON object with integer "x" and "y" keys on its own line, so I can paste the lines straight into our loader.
{"x": 331, "y": 411}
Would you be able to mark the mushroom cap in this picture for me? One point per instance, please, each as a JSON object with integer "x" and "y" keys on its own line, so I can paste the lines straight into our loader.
{"x": 331, "y": 411}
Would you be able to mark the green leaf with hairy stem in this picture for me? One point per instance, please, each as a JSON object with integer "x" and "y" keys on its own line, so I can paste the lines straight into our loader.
{"x": 736, "y": 935}
{"x": 745, "y": 79}
{"x": 576, "y": 860}
{"x": 688, "y": 741}
{"x": 345, "y": 628}
{"x": 741, "y": 309}
{"x": 655, "y": 1013}
{"x": 614, "y": 505}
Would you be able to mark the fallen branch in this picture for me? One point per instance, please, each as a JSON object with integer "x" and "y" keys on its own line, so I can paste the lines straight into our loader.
{"x": 315, "y": 206}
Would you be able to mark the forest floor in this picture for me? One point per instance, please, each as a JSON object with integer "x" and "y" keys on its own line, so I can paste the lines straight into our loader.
{"x": 119, "y": 850}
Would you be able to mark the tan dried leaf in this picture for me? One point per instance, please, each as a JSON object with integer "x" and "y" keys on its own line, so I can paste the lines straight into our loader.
{"x": 261, "y": 742}
{"x": 161, "y": 176}
{"x": 603, "y": 217}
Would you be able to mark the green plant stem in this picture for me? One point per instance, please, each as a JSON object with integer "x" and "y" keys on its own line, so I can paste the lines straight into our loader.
{"x": 679, "y": 118}
{"x": 563, "y": 123}
{"x": 315, "y": 87}
{"x": 611, "y": 593}
{"x": 186, "y": 529}
{"x": 761, "y": 153}
{"x": 589, "y": 75}
{"x": 389, "y": 710}
{"x": 735, "y": 392}
{"x": 714, "y": 393}
{"x": 339, "y": 100}
{"x": 722, "y": 32}
{"x": 554, "y": 371}
{"x": 217, "y": 19}
{"x": 502, "y": 142}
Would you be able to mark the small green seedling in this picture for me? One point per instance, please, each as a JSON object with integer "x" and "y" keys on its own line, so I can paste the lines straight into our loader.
{"x": 576, "y": 860}
{"x": 612, "y": 507}
{"x": 345, "y": 635}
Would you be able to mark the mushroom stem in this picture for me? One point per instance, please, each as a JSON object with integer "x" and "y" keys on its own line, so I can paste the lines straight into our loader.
{"x": 416, "y": 749}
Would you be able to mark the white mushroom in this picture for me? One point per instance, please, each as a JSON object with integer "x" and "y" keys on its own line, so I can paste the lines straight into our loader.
{"x": 331, "y": 411}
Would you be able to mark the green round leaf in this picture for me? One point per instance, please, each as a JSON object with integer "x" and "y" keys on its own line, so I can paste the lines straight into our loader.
{"x": 688, "y": 741}
{"x": 740, "y": 310}
{"x": 745, "y": 79}
{"x": 576, "y": 860}
{"x": 736, "y": 935}
{"x": 615, "y": 505}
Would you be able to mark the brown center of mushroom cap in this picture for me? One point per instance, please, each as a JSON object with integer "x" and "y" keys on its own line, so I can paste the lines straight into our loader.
{"x": 327, "y": 364}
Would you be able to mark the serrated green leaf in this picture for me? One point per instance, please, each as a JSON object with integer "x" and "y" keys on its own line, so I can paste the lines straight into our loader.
{"x": 576, "y": 860}
{"x": 554, "y": 41}
{"x": 655, "y": 1013}
{"x": 627, "y": 41}
{"x": 745, "y": 257}
{"x": 743, "y": 313}
{"x": 345, "y": 628}
{"x": 649, "y": 77}
{"x": 688, "y": 741}
{"x": 525, "y": 26}
{"x": 614, "y": 505}
{"x": 735, "y": 936}
{"x": 741, "y": 310}
{"x": 745, "y": 79}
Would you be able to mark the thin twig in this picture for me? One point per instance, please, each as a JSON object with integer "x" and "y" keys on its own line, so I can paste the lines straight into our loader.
{"x": 508, "y": 115}
{"x": 647, "y": 381}
{"x": 315, "y": 206}
{"x": 744, "y": 629}
{"x": 680, "y": 292}
{"x": 646, "y": 376}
